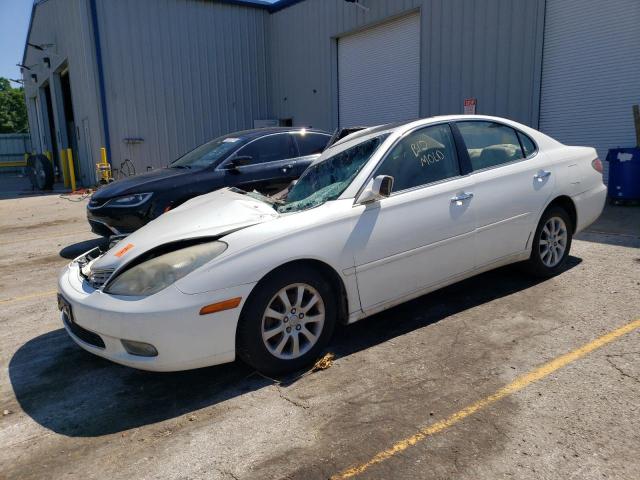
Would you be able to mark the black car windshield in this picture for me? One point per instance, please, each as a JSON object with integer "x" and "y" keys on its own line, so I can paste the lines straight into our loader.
{"x": 327, "y": 179}
{"x": 208, "y": 153}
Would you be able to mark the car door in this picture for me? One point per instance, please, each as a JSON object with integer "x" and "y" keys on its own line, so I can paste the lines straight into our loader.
{"x": 422, "y": 234}
{"x": 512, "y": 184}
{"x": 270, "y": 164}
{"x": 310, "y": 146}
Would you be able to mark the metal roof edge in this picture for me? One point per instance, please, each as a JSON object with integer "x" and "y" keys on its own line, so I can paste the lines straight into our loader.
{"x": 263, "y": 5}
{"x": 270, "y": 7}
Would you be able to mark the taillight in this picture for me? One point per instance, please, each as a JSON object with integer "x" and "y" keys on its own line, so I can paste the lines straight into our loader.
{"x": 597, "y": 165}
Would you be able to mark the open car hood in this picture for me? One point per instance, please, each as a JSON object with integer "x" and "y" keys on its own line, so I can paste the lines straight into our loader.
{"x": 210, "y": 215}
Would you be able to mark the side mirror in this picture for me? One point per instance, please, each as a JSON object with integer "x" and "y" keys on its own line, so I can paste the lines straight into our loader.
{"x": 378, "y": 187}
{"x": 240, "y": 161}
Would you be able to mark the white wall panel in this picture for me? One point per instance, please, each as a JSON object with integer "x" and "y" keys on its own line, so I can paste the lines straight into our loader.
{"x": 379, "y": 73}
{"x": 591, "y": 72}
{"x": 179, "y": 73}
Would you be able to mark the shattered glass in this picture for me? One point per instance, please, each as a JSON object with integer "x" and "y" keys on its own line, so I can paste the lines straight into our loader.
{"x": 327, "y": 179}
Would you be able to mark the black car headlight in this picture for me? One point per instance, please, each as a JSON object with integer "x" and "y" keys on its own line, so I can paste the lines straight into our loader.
{"x": 133, "y": 200}
{"x": 157, "y": 273}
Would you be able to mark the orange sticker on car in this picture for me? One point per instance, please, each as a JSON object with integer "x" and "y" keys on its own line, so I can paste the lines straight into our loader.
{"x": 124, "y": 250}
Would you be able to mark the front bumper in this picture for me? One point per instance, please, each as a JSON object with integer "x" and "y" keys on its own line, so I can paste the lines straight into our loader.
{"x": 168, "y": 320}
{"x": 108, "y": 221}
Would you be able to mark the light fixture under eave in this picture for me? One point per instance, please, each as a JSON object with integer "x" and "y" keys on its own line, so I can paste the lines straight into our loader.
{"x": 34, "y": 77}
{"x": 47, "y": 62}
{"x": 42, "y": 46}
{"x": 358, "y": 4}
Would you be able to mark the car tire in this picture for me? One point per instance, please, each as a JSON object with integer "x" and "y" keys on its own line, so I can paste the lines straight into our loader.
{"x": 551, "y": 243}
{"x": 40, "y": 172}
{"x": 296, "y": 321}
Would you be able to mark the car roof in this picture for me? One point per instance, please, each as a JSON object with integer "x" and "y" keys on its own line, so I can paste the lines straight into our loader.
{"x": 372, "y": 130}
{"x": 260, "y": 132}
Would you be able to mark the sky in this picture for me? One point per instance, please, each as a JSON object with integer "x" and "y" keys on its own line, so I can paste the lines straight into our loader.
{"x": 14, "y": 22}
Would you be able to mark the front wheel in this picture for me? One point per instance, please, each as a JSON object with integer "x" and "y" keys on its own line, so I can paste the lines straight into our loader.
{"x": 287, "y": 321}
{"x": 551, "y": 243}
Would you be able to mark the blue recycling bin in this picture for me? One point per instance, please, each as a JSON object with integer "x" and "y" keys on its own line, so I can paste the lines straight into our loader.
{"x": 624, "y": 173}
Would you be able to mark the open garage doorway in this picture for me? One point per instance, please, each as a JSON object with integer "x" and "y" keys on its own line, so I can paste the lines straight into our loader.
{"x": 69, "y": 119}
{"x": 50, "y": 128}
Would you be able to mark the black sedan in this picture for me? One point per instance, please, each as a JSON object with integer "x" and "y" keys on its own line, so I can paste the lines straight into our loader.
{"x": 265, "y": 159}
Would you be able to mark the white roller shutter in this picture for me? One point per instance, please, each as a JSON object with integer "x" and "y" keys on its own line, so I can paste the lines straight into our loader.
{"x": 591, "y": 72}
{"x": 379, "y": 73}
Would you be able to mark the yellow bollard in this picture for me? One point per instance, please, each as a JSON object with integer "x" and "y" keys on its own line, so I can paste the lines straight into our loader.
{"x": 72, "y": 173}
{"x": 104, "y": 167}
{"x": 65, "y": 167}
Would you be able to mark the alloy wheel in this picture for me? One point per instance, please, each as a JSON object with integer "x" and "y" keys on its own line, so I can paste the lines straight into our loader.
{"x": 553, "y": 242}
{"x": 293, "y": 321}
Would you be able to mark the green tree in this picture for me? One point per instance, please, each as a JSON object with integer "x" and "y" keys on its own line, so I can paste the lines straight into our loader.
{"x": 13, "y": 109}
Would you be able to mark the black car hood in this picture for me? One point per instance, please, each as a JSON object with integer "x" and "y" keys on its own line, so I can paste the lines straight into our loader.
{"x": 146, "y": 182}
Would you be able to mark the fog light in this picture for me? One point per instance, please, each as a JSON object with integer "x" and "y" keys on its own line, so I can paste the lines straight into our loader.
{"x": 140, "y": 349}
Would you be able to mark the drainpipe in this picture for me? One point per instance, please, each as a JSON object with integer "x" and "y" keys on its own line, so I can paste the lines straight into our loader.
{"x": 103, "y": 97}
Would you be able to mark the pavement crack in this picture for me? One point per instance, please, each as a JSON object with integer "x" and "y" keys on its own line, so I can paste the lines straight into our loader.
{"x": 285, "y": 397}
{"x": 620, "y": 369}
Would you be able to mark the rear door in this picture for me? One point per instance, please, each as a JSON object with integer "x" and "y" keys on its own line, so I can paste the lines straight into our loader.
{"x": 271, "y": 167}
{"x": 513, "y": 181}
{"x": 310, "y": 146}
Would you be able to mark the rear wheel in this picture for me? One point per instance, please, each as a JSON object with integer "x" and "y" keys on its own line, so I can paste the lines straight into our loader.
{"x": 287, "y": 321}
{"x": 40, "y": 172}
{"x": 551, "y": 243}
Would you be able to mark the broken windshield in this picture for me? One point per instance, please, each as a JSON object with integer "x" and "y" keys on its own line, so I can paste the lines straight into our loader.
{"x": 327, "y": 179}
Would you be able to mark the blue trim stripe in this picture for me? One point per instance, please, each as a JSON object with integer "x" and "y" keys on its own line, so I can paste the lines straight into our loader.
{"x": 103, "y": 97}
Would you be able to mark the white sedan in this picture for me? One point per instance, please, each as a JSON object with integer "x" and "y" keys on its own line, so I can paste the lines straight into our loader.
{"x": 383, "y": 216}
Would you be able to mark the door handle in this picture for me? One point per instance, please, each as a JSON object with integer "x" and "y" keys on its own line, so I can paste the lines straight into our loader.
{"x": 458, "y": 199}
{"x": 541, "y": 175}
{"x": 286, "y": 168}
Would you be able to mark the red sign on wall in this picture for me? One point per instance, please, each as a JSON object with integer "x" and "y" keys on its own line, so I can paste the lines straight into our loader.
{"x": 470, "y": 106}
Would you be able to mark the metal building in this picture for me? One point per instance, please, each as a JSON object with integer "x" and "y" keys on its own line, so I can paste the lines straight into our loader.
{"x": 151, "y": 79}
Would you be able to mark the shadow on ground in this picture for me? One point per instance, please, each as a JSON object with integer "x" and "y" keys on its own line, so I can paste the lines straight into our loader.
{"x": 19, "y": 186}
{"x": 74, "y": 393}
{"x": 77, "y": 249}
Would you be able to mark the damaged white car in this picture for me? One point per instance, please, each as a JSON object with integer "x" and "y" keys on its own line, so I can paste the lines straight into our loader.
{"x": 384, "y": 215}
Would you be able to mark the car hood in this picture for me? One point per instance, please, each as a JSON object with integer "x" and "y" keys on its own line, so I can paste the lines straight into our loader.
{"x": 210, "y": 215}
{"x": 138, "y": 183}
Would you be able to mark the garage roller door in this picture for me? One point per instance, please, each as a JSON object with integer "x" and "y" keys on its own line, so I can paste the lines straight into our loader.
{"x": 379, "y": 73}
{"x": 591, "y": 72}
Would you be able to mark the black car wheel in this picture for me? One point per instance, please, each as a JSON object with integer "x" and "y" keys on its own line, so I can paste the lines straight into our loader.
{"x": 40, "y": 171}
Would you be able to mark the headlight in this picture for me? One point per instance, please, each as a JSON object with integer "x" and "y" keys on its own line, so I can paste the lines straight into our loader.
{"x": 158, "y": 273}
{"x": 132, "y": 200}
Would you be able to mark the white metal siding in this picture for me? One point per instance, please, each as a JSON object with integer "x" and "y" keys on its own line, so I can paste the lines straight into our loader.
{"x": 487, "y": 49}
{"x": 67, "y": 24}
{"x": 591, "y": 72}
{"x": 179, "y": 73}
{"x": 379, "y": 73}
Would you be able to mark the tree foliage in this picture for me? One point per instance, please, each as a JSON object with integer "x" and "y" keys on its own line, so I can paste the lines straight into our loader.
{"x": 13, "y": 109}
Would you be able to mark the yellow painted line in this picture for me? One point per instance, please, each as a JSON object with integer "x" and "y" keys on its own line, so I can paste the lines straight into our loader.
{"x": 27, "y": 297}
{"x": 515, "y": 386}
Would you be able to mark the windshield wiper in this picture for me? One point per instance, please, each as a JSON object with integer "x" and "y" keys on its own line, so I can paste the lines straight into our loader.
{"x": 180, "y": 166}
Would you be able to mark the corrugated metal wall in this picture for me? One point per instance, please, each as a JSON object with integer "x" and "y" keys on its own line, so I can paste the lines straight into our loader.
{"x": 488, "y": 49}
{"x": 67, "y": 24}
{"x": 180, "y": 72}
{"x": 13, "y": 146}
{"x": 591, "y": 72}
